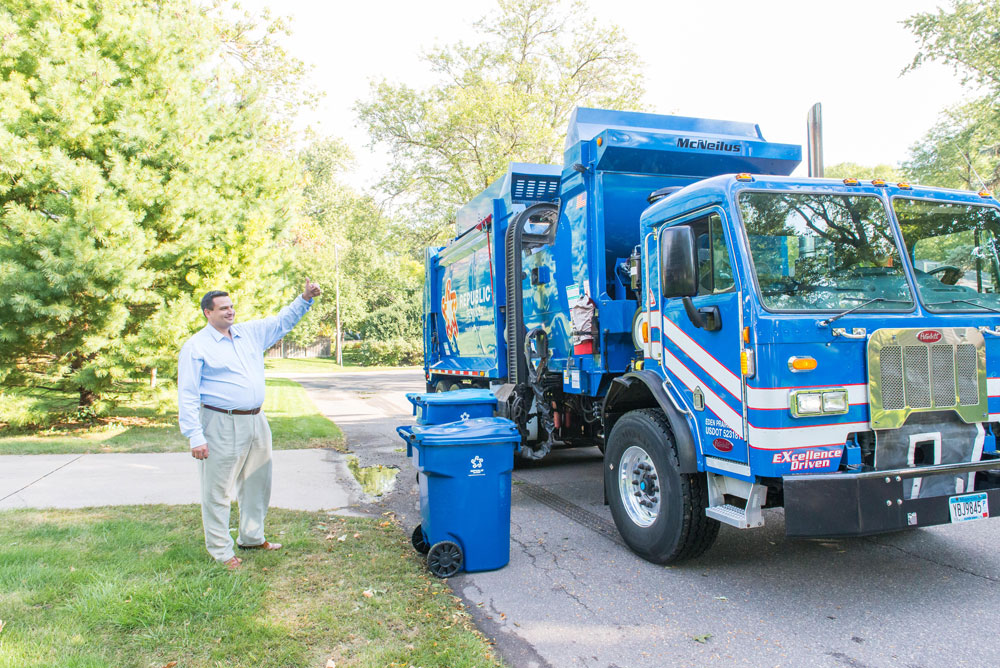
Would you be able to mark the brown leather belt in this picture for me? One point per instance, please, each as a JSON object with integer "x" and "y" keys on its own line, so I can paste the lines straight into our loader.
{"x": 252, "y": 411}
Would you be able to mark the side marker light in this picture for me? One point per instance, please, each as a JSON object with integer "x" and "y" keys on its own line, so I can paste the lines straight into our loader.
{"x": 796, "y": 364}
{"x": 645, "y": 332}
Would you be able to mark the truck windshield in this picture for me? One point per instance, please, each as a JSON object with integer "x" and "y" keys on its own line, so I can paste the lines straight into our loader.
{"x": 824, "y": 252}
{"x": 954, "y": 252}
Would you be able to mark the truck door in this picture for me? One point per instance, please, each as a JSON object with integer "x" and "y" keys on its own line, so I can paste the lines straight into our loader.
{"x": 706, "y": 360}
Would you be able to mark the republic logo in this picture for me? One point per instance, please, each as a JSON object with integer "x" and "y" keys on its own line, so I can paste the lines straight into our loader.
{"x": 449, "y": 311}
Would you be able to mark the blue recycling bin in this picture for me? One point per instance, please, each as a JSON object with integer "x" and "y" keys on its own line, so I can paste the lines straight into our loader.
{"x": 464, "y": 476}
{"x": 442, "y": 407}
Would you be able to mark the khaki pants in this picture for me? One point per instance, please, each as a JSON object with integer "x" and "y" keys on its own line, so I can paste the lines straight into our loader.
{"x": 239, "y": 454}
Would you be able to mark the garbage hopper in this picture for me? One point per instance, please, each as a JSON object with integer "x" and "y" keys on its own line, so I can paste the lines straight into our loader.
{"x": 464, "y": 492}
{"x": 442, "y": 407}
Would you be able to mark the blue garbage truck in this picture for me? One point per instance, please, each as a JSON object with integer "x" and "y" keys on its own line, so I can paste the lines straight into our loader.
{"x": 731, "y": 337}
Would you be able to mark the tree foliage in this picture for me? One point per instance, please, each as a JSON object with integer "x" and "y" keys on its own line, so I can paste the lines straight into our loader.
{"x": 963, "y": 149}
{"x": 344, "y": 237}
{"x": 142, "y": 162}
{"x": 853, "y": 170}
{"x": 505, "y": 97}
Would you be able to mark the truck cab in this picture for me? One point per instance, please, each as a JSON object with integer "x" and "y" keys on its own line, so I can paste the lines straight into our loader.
{"x": 831, "y": 348}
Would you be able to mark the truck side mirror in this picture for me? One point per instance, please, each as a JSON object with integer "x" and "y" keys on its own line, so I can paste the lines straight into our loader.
{"x": 678, "y": 270}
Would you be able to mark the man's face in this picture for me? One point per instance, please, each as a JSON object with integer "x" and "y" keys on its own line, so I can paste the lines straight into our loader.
{"x": 223, "y": 315}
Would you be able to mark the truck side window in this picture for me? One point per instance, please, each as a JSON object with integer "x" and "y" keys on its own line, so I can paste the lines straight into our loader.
{"x": 715, "y": 273}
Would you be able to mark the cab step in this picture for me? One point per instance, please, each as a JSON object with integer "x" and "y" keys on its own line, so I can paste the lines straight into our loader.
{"x": 749, "y": 517}
{"x": 731, "y": 515}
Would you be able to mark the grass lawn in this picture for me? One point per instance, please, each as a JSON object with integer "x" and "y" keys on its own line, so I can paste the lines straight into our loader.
{"x": 122, "y": 587}
{"x": 152, "y": 427}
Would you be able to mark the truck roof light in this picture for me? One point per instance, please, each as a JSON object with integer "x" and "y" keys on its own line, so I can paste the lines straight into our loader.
{"x": 985, "y": 194}
{"x": 744, "y": 176}
{"x": 878, "y": 182}
{"x": 796, "y": 364}
{"x": 904, "y": 186}
{"x": 851, "y": 182}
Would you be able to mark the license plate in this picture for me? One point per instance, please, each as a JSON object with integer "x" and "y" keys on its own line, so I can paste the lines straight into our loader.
{"x": 969, "y": 507}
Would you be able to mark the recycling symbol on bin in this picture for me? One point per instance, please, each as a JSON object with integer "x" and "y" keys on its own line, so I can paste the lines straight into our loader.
{"x": 477, "y": 462}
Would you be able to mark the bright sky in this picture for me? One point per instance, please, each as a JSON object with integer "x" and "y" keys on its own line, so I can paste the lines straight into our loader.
{"x": 765, "y": 62}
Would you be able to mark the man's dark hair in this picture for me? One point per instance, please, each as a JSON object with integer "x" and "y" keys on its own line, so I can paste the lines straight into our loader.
{"x": 208, "y": 301}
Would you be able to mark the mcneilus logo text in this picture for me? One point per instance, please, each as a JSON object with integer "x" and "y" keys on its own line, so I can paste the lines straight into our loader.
{"x": 684, "y": 142}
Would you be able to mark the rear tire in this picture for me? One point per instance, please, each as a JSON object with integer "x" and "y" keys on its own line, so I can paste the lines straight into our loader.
{"x": 659, "y": 511}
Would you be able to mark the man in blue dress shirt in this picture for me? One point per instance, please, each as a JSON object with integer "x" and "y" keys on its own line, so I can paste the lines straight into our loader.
{"x": 220, "y": 388}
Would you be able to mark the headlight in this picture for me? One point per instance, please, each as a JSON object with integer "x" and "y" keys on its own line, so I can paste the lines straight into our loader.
{"x": 809, "y": 403}
{"x": 819, "y": 402}
{"x": 835, "y": 402}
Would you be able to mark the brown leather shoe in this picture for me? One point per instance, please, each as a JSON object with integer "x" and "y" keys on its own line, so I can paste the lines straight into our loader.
{"x": 234, "y": 563}
{"x": 263, "y": 546}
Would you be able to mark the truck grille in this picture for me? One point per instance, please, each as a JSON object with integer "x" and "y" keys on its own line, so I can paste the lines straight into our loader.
{"x": 907, "y": 374}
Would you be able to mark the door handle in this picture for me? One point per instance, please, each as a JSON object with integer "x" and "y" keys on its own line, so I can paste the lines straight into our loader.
{"x": 708, "y": 318}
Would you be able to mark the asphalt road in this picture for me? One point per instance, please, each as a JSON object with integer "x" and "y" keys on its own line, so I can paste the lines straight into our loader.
{"x": 574, "y": 595}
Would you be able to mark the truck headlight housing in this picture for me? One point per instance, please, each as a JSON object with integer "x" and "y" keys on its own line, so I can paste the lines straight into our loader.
{"x": 806, "y": 403}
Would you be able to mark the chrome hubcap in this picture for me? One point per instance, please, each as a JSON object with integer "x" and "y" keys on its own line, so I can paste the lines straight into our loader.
{"x": 639, "y": 486}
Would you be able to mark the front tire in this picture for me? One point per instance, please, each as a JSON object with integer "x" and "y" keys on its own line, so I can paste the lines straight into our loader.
{"x": 659, "y": 511}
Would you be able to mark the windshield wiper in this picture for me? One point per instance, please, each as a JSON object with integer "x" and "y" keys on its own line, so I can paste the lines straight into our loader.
{"x": 824, "y": 323}
{"x": 965, "y": 301}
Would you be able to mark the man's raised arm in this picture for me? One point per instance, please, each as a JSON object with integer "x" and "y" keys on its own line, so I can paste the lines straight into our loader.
{"x": 271, "y": 330}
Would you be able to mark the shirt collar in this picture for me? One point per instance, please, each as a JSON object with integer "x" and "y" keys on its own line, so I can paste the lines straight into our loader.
{"x": 218, "y": 336}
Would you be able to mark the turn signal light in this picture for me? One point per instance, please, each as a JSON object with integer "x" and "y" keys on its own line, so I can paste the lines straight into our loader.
{"x": 801, "y": 363}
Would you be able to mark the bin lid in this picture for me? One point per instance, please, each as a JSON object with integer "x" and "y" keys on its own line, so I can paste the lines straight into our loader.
{"x": 454, "y": 397}
{"x": 467, "y": 432}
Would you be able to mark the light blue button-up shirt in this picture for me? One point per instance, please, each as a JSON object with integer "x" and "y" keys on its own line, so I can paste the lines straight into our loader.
{"x": 228, "y": 373}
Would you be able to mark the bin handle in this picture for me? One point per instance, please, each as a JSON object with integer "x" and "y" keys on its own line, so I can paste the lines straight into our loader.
{"x": 406, "y": 433}
{"x": 412, "y": 398}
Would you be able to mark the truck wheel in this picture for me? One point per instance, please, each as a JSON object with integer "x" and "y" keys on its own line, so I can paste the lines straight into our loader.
{"x": 659, "y": 511}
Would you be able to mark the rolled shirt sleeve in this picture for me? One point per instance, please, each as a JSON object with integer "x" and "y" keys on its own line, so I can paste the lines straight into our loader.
{"x": 189, "y": 395}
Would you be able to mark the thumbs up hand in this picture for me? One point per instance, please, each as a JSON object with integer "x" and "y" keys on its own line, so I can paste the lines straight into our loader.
{"x": 311, "y": 290}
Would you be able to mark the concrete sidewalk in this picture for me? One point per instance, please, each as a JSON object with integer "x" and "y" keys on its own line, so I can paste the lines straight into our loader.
{"x": 315, "y": 479}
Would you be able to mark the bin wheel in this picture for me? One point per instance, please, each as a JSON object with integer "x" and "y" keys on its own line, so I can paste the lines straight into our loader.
{"x": 444, "y": 559}
{"x": 420, "y": 543}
